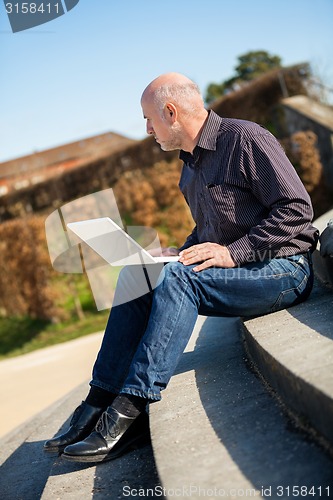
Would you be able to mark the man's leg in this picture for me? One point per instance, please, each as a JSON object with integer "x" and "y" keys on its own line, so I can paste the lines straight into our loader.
{"x": 253, "y": 289}
{"x": 126, "y": 325}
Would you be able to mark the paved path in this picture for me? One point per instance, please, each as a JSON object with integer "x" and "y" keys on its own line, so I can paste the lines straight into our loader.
{"x": 32, "y": 382}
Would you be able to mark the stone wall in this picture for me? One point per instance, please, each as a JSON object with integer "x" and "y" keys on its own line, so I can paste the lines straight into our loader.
{"x": 300, "y": 113}
{"x": 94, "y": 176}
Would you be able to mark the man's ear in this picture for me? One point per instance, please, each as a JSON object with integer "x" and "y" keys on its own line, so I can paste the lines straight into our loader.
{"x": 170, "y": 112}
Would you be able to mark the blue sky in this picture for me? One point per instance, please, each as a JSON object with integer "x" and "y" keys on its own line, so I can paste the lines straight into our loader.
{"x": 83, "y": 73}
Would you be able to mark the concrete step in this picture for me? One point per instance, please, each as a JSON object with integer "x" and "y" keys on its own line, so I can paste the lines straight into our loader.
{"x": 293, "y": 351}
{"x": 25, "y": 468}
{"x": 219, "y": 430}
{"x": 28, "y": 473}
{"x": 216, "y": 431}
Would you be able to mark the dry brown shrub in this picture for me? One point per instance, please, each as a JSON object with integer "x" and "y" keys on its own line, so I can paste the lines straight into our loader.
{"x": 151, "y": 197}
{"x": 164, "y": 178}
{"x": 25, "y": 270}
{"x": 304, "y": 145}
{"x": 124, "y": 194}
{"x": 146, "y": 214}
{"x": 302, "y": 150}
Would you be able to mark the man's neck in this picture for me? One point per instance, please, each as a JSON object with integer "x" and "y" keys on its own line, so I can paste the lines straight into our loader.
{"x": 195, "y": 133}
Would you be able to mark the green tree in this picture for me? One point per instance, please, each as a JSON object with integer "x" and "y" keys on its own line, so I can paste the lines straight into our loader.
{"x": 250, "y": 66}
{"x": 254, "y": 64}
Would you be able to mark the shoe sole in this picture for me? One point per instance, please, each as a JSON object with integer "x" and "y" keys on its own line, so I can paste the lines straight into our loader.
{"x": 60, "y": 449}
{"x": 134, "y": 444}
{"x": 55, "y": 449}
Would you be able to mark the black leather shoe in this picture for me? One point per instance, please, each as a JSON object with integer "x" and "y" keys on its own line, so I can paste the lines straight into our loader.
{"x": 82, "y": 423}
{"x": 114, "y": 435}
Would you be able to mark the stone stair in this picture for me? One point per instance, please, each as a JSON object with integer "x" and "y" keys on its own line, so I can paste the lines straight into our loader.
{"x": 247, "y": 413}
{"x": 250, "y": 409}
{"x": 219, "y": 428}
{"x": 28, "y": 473}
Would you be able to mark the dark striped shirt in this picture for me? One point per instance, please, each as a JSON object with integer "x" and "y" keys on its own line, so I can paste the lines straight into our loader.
{"x": 244, "y": 193}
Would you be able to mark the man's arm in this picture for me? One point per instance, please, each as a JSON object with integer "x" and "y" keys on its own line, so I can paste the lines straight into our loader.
{"x": 191, "y": 240}
{"x": 275, "y": 183}
{"x": 173, "y": 251}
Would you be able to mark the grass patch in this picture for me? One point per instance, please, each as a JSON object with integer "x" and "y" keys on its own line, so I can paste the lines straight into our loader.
{"x": 22, "y": 335}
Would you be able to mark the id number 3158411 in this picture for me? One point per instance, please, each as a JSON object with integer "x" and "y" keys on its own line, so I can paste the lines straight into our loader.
{"x": 32, "y": 8}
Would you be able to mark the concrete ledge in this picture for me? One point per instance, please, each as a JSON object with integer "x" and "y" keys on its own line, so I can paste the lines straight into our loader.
{"x": 217, "y": 426}
{"x": 218, "y": 429}
{"x": 293, "y": 351}
{"x": 28, "y": 473}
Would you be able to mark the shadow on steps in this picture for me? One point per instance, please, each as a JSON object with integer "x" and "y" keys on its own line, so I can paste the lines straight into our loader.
{"x": 263, "y": 443}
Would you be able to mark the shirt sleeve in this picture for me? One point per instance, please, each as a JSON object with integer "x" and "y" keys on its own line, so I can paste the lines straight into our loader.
{"x": 192, "y": 239}
{"x": 274, "y": 182}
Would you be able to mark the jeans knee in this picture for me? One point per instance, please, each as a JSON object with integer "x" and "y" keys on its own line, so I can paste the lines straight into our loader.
{"x": 175, "y": 272}
{"x": 172, "y": 269}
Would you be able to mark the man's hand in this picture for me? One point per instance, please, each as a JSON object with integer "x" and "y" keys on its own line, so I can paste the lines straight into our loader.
{"x": 208, "y": 254}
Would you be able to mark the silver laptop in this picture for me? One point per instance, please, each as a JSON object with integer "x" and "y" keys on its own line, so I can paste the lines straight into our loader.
{"x": 113, "y": 244}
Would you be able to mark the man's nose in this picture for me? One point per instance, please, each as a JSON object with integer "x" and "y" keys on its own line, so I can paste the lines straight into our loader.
{"x": 150, "y": 129}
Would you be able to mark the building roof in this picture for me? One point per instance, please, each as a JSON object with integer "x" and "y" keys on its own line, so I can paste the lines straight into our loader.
{"x": 91, "y": 147}
{"x": 312, "y": 109}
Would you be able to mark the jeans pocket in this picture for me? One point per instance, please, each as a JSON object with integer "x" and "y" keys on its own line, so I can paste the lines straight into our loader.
{"x": 292, "y": 295}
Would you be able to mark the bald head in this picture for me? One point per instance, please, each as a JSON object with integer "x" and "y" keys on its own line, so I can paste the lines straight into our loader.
{"x": 174, "y": 110}
{"x": 176, "y": 89}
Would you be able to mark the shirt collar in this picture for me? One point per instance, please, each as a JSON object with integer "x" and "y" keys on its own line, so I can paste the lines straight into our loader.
{"x": 209, "y": 134}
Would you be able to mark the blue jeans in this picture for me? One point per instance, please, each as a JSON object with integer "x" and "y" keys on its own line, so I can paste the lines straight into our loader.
{"x": 145, "y": 337}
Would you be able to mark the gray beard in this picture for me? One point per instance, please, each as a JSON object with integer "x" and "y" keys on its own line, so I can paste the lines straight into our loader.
{"x": 174, "y": 141}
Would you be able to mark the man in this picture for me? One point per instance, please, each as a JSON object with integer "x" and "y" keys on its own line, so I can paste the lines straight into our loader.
{"x": 249, "y": 254}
